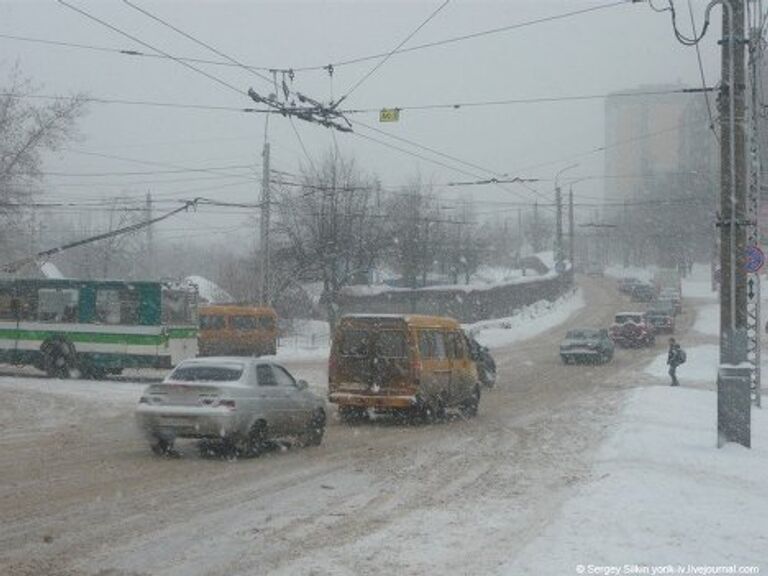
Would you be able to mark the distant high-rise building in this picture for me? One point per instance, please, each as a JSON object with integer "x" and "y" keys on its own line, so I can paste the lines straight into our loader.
{"x": 661, "y": 166}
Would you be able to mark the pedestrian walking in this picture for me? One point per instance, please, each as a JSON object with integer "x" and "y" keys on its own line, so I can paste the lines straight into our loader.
{"x": 675, "y": 357}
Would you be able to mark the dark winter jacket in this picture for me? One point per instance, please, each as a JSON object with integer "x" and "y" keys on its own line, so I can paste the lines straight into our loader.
{"x": 673, "y": 357}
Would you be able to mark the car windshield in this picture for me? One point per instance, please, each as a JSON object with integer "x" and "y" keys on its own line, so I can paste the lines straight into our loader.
{"x": 207, "y": 373}
{"x": 628, "y": 318}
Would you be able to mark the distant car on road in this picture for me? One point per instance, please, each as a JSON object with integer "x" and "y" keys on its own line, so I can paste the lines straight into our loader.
{"x": 642, "y": 293}
{"x": 661, "y": 316}
{"x": 631, "y": 330}
{"x": 626, "y": 284}
{"x": 243, "y": 403}
{"x": 672, "y": 295}
{"x": 587, "y": 344}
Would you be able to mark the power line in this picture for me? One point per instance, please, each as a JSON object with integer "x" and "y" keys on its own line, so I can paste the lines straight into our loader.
{"x": 15, "y": 265}
{"x": 147, "y": 172}
{"x": 390, "y": 53}
{"x": 324, "y": 67}
{"x": 464, "y": 37}
{"x": 534, "y": 100}
{"x": 703, "y": 77}
{"x": 494, "y": 173}
{"x": 197, "y": 41}
{"x": 149, "y": 103}
{"x": 147, "y": 45}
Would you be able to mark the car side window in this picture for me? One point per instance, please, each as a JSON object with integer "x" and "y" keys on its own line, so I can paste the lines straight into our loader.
{"x": 265, "y": 376}
{"x": 282, "y": 377}
{"x": 440, "y": 347}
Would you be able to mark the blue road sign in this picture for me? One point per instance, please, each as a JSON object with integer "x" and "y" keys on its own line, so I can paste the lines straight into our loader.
{"x": 754, "y": 259}
{"x": 560, "y": 267}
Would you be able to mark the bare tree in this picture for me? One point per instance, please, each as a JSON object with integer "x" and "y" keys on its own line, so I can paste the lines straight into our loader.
{"x": 27, "y": 131}
{"x": 418, "y": 233}
{"x": 331, "y": 226}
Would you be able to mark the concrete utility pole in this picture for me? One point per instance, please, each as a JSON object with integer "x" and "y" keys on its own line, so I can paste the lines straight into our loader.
{"x": 266, "y": 299}
{"x": 571, "y": 230}
{"x": 754, "y": 323}
{"x": 733, "y": 389}
{"x": 559, "y": 249}
{"x": 150, "y": 239}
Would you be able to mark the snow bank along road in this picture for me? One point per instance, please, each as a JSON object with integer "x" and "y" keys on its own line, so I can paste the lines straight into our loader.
{"x": 80, "y": 493}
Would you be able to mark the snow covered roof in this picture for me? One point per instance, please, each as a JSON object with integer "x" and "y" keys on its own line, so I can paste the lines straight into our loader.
{"x": 209, "y": 291}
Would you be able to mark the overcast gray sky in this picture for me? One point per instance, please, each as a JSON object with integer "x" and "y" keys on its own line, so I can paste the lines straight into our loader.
{"x": 599, "y": 52}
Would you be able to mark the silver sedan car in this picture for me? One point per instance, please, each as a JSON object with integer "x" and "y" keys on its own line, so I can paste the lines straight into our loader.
{"x": 243, "y": 403}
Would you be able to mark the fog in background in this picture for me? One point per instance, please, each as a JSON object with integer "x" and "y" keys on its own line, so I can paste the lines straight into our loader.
{"x": 600, "y": 52}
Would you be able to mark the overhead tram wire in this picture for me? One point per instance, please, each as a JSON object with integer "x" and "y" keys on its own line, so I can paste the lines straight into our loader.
{"x": 198, "y": 41}
{"x": 387, "y": 56}
{"x": 323, "y": 67}
{"x": 418, "y": 107}
{"x": 151, "y": 47}
{"x": 464, "y": 37}
{"x": 534, "y": 100}
{"x": 211, "y": 170}
{"x": 703, "y": 77}
{"x": 495, "y": 174}
{"x": 149, "y": 103}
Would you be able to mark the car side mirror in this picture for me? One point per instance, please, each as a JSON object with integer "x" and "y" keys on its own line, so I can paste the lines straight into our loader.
{"x": 302, "y": 384}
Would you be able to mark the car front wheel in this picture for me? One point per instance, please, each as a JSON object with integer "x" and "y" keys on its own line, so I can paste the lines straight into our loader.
{"x": 314, "y": 433}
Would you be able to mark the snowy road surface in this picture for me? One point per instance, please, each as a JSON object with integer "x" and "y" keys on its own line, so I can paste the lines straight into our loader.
{"x": 80, "y": 494}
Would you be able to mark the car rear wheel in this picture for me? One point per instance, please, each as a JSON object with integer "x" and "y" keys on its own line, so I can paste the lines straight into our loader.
{"x": 255, "y": 441}
{"x": 471, "y": 405}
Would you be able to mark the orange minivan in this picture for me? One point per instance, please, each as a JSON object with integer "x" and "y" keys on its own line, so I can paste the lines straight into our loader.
{"x": 237, "y": 331}
{"x": 406, "y": 363}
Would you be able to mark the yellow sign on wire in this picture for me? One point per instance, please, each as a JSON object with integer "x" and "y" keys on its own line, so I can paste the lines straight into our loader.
{"x": 389, "y": 115}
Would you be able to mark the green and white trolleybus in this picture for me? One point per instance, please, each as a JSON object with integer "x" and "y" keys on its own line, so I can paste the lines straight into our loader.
{"x": 96, "y": 326}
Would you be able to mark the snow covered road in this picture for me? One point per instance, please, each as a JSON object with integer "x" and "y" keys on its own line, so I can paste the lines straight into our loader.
{"x": 80, "y": 494}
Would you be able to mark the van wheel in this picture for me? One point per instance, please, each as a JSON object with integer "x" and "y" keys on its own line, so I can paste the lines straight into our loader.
{"x": 470, "y": 406}
{"x": 314, "y": 434}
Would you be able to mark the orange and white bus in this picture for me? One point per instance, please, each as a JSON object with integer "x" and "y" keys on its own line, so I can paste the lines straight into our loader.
{"x": 230, "y": 330}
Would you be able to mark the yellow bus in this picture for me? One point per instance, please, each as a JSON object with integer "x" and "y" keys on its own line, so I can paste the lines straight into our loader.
{"x": 229, "y": 330}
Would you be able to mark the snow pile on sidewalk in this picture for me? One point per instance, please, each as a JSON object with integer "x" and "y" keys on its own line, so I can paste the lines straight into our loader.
{"x": 530, "y": 321}
{"x": 662, "y": 494}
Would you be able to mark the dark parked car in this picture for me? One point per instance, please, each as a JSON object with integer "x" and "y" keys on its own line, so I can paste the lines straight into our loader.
{"x": 586, "y": 344}
{"x": 643, "y": 293}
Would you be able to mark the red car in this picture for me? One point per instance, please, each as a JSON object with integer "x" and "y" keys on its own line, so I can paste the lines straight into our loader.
{"x": 632, "y": 330}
